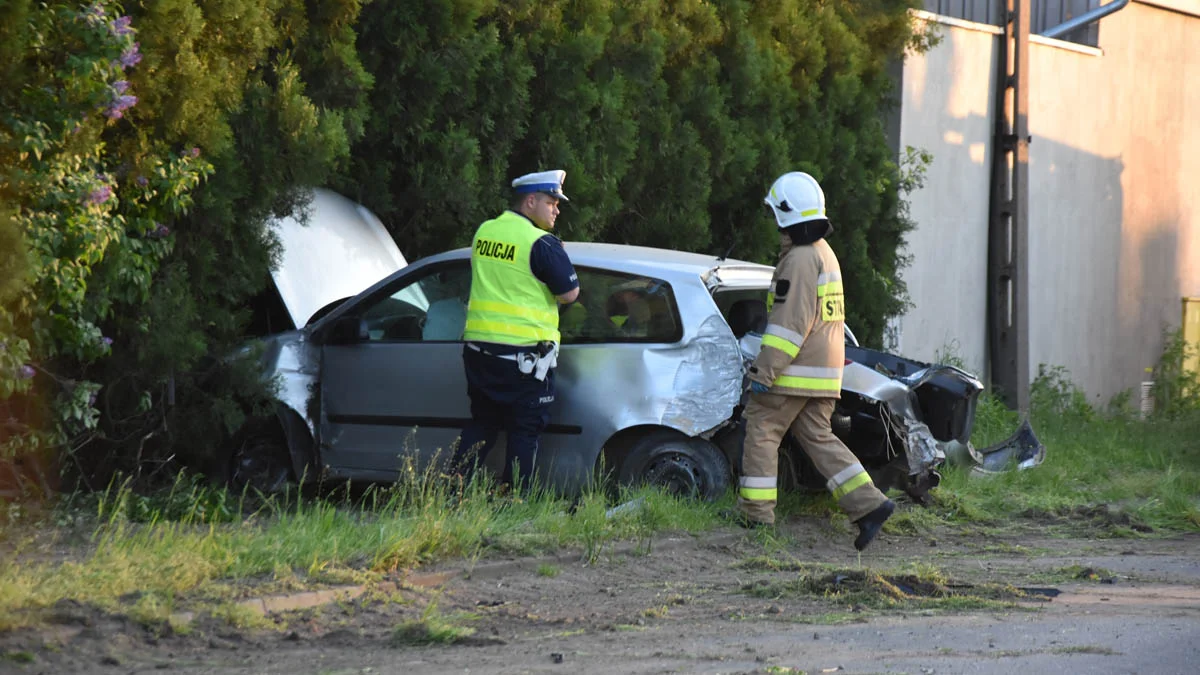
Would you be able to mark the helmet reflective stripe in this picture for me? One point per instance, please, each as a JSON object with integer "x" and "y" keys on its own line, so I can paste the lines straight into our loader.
{"x": 796, "y": 198}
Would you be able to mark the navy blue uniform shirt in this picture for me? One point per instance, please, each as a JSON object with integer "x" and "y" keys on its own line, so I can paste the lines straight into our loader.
{"x": 549, "y": 262}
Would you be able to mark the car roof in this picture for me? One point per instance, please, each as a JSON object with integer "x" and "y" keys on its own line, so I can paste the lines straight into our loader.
{"x": 640, "y": 260}
{"x": 646, "y": 260}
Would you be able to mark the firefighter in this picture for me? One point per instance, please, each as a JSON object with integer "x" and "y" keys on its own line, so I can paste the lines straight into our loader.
{"x": 520, "y": 274}
{"x": 796, "y": 378}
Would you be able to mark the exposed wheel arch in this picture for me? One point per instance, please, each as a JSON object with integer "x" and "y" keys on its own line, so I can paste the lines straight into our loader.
{"x": 679, "y": 463}
{"x": 269, "y": 453}
{"x": 301, "y": 445}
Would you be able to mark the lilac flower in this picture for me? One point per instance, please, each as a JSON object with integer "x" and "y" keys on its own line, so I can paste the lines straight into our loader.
{"x": 194, "y": 152}
{"x": 94, "y": 14}
{"x": 142, "y": 181}
{"x": 92, "y": 399}
{"x": 126, "y": 101}
{"x": 107, "y": 341}
{"x": 98, "y": 196}
{"x": 120, "y": 27}
{"x": 160, "y": 231}
{"x": 25, "y": 372}
{"x": 120, "y": 86}
{"x": 130, "y": 57}
{"x": 116, "y": 109}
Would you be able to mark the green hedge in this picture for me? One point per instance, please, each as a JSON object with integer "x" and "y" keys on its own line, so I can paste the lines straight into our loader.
{"x": 671, "y": 118}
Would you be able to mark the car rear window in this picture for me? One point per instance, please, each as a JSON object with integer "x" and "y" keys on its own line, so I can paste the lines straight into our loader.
{"x": 615, "y": 307}
{"x": 745, "y": 309}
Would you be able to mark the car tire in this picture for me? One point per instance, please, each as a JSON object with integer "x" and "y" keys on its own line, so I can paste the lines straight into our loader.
{"x": 679, "y": 464}
{"x": 259, "y": 461}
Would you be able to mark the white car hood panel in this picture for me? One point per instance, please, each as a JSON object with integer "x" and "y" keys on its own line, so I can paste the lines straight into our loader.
{"x": 341, "y": 250}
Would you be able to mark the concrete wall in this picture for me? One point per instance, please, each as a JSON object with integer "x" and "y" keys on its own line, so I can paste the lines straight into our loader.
{"x": 1114, "y": 205}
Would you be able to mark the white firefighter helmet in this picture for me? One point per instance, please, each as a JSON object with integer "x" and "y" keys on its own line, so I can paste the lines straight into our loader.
{"x": 796, "y": 198}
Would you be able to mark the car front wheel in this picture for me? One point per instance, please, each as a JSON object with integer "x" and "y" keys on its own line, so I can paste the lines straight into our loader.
{"x": 260, "y": 461}
{"x": 678, "y": 464}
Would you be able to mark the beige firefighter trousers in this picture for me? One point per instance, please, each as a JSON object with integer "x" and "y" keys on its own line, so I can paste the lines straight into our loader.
{"x": 768, "y": 417}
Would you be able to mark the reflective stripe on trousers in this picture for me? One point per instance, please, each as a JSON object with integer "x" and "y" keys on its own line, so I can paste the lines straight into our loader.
{"x": 758, "y": 488}
{"x": 848, "y": 480}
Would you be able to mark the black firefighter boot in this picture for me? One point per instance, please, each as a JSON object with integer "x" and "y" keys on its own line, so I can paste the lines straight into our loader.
{"x": 870, "y": 524}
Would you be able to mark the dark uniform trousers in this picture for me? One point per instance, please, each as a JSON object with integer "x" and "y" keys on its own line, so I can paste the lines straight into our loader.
{"x": 503, "y": 399}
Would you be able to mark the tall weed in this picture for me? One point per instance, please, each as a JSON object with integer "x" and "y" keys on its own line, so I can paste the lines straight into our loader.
{"x": 1176, "y": 388}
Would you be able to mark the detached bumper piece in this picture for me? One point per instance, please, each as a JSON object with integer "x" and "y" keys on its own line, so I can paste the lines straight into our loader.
{"x": 1020, "y": 451}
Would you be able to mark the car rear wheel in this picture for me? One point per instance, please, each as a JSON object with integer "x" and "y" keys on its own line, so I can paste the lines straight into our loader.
{"x": 678, "y": 464}
{"x": 260, "y": 461}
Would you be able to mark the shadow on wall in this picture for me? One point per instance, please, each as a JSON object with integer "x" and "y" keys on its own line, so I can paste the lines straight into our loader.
{"x": 1103, "y": 269}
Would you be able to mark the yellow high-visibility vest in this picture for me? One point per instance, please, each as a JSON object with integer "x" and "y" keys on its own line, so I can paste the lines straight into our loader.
{"x": 508, "y": 304}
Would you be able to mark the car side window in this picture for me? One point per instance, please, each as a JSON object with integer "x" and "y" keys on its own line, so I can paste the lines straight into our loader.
{"x": 615, "y": 307}
{"x": 431, "y": 308}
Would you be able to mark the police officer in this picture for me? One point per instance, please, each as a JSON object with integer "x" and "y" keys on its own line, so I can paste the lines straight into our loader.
{"x": 796, "y": 378}
{"x": 520, "y": 274}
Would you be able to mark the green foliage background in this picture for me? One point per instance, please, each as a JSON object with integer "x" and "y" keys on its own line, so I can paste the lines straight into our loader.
{"x": 671, "y": 117}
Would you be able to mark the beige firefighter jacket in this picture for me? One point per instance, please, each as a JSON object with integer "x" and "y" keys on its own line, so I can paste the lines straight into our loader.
{"x": 803, "y": 348}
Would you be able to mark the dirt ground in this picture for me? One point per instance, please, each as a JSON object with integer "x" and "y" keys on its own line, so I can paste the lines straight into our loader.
{"x": 728, "y": 602}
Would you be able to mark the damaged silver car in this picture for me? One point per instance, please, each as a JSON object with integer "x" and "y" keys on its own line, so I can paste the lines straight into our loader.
{"x": 651, "y": 373}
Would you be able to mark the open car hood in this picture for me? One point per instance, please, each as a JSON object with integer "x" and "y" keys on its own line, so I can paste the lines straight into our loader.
{"x": 341, "y": 250}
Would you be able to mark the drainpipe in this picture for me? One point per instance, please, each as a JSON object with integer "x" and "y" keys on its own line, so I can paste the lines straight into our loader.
{"x": 1085, "y": 18}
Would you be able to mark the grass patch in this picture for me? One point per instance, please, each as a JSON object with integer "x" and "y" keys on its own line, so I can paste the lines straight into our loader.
{"x": 240, "y": 616}
{"x": 146, "y": 551}
{"x": 548, "y": 570}
{"x": 1082, "y": 573}
{"x": 659, "y": 612}
{"x": 434, "y": 628}
{"x": 20, "y": 657}
{"x": 915, "y": 587}
{"x": 1111, "y": 474}
{"x": 1073, "y": 573}
{"x": 152, "y": 610}
{"x": 1108, "y": 471}
{"x": 828, "y": 619}
{"x": 1007, "y": 549}
{"x": 1086, "y": 649}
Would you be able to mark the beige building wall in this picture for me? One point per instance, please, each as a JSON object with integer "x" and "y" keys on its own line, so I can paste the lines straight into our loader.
{"x": 1114, "y": 203}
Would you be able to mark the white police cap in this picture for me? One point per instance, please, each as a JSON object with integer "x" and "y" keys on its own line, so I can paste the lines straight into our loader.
{"x": 550, "y": 182}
